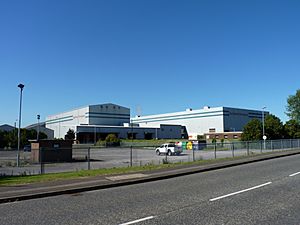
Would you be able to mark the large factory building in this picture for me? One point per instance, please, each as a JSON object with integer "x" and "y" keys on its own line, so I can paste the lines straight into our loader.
{"x": 207, "y": 121}
{"x": 95, "y": 122}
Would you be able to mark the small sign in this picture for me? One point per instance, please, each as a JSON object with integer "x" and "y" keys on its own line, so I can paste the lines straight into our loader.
{"x": 264, "y": 137}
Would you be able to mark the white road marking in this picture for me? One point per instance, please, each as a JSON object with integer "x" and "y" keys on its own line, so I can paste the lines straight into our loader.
{"x": 294, "y": 174}
{"x": 238, "y": 192}
{"x": 137, "y": 221}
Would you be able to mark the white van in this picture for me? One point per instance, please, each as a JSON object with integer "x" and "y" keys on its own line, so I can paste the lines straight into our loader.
{"x": 168, "y": 148}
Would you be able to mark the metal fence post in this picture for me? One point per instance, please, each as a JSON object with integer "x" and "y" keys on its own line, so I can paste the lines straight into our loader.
{"x": 89, "y": 158}
{"x": 232, "y": 148}
{"x": 247, "y": 144}
{"x": 215, "y": 149}
{"x": 272, "y": 145}
{"x": 281, "y": 144}
{"x": 41, "y": 161}
{"x": 166, "y": 159}
{"x": 261, "y": 146}
{"x": 193, "y": 153}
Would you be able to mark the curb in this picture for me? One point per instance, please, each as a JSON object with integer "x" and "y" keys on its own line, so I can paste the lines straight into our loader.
{"x": 155, "y": 177}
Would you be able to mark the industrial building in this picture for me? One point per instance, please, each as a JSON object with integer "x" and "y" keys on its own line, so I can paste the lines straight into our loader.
{"x": 205, "y": 121}
{"x": 94, "y": 122}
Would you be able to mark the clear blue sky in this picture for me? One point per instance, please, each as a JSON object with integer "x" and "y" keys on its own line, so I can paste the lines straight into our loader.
{"x": 161, "y": 56}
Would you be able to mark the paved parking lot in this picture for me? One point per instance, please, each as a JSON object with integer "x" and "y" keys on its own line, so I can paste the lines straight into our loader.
{"x": 107, "y": 158}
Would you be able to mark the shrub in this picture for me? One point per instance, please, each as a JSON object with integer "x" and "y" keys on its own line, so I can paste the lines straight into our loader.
{"x": 112, "y": 140}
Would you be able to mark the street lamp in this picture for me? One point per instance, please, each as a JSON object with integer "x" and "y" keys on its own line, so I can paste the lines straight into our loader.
{"x": 21, "y": 86}
{"x": 38, "y": 128}
{"x": 263, "y": 124}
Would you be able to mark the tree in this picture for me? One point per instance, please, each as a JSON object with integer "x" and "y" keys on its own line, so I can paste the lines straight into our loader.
{"x": 112, "y": 140}
{"x": 70, "y": 135}
{"x": 273, "y": 127}
{"x": 252, "y": 131}
{"x": 292, "y": 129}
{"x": 3, "y": 139}
{"x": 293, "y": 106}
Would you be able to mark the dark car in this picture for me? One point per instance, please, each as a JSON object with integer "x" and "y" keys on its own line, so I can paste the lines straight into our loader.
{"x": 27, "y": 148}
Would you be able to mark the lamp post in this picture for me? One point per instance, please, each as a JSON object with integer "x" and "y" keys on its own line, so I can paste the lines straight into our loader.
{"x": 263, "y": 124}
{"x": 21, "y": 86}
{"x": 38, "y": 128}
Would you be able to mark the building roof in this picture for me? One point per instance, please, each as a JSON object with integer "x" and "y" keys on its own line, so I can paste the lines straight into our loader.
{"x": 6, "y": 127}
{"x": 87, "y": 106}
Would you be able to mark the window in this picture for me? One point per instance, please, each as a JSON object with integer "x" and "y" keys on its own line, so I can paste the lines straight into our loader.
{"x": 212, "y": 130}
{"x": 235, "y": 136}
{"x": 226, "y": 136}
{"x": 217, "y": 136}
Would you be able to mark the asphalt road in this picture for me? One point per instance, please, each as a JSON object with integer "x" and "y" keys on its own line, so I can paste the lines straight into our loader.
{"x": 266, "y": 192}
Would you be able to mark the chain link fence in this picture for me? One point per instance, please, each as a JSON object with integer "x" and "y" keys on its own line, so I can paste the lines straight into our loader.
{"x": 85, "y": 157}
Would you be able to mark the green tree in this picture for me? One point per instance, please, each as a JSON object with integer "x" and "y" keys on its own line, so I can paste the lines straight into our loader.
{"x": 70, "y": 135}
{"x": 293, "y": 106}
{"x": 273, "y": 127}
{"x": 252, "y": 131}
{"x": 112, "y": 140}
{"x": 292, "y": 129}
{"x": 3, "y": 139}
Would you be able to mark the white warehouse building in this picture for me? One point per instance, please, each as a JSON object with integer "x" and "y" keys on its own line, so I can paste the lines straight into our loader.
{"x": 204, "y": 121}
{"x": 94, "y": 122}
{"x": 103, "y": 114}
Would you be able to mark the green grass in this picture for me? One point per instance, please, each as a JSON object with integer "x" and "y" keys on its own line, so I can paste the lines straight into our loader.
{"x": 27, "y": 179}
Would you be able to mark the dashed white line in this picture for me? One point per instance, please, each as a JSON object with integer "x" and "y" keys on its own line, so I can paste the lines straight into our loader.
{"x": 238, "y": 192}
{"x": 294, "y": 174}
{"x": 139, "y": 220}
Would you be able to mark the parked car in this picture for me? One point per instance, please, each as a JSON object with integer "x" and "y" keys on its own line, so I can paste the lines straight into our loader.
{"x": 168, "y": 148}
{"x": 27, "y": 148}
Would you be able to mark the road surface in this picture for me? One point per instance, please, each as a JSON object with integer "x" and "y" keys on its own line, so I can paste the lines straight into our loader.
{"x": 265, "y": 192}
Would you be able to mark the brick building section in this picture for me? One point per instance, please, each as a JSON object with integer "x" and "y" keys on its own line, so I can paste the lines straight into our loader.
{"x": 52, "y": 151}
{"x": 225, "y": 135}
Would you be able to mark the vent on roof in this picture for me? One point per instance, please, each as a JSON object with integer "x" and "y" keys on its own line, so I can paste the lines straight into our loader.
{"x": 206, "y": 107}
{"x": 189, "y": 109}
